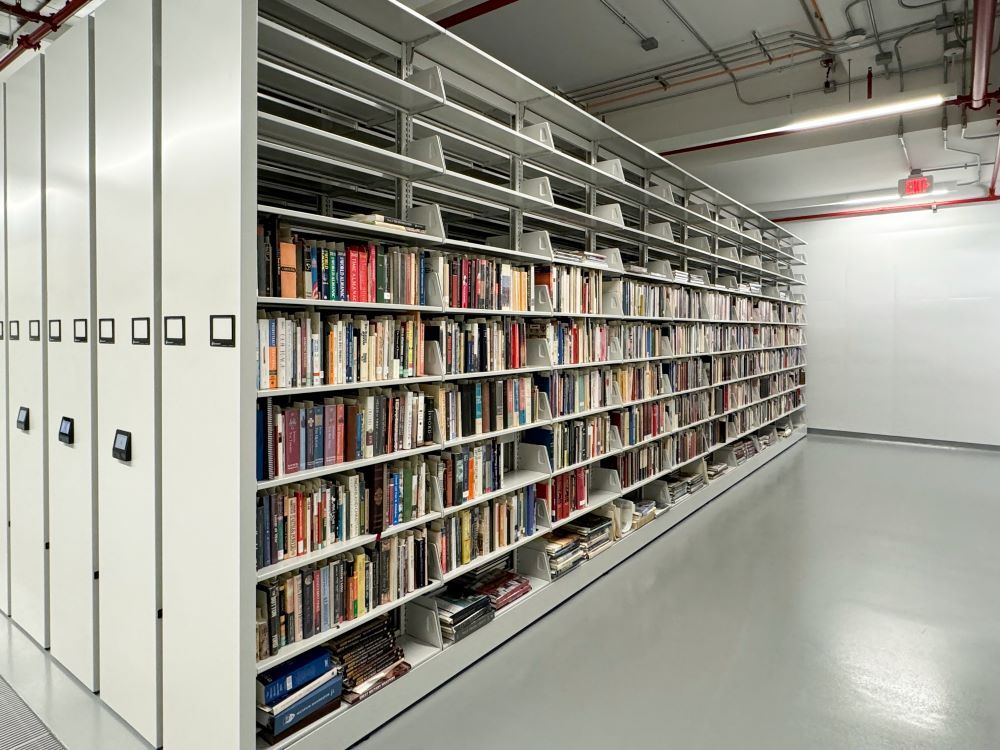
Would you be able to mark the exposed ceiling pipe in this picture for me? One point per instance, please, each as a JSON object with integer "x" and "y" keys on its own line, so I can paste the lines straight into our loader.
{"x": 19, "y": 11}
{"x": 475, "y": 11}
{"x": 625, "y": 88}
{"x": 33, "y": 40}
{"x": 990, "y": 197}
{"x": 983, "y": 14}
{"x": 880, "y": 210}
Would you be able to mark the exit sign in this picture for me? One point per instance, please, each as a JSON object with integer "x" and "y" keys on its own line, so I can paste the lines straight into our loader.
{"x": 915, "y": 185}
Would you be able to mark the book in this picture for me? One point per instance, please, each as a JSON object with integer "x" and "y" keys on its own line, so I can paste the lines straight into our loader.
{"x": 274, "y": 685}
{"x": 276, "y": 722}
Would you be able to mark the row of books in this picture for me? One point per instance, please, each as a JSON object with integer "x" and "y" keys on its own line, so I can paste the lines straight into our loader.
{"x": 314, "y": 599}
{"x": 574, "y": 391}
{"x": 640, "y": 421}
{"x": 574, "y": 440}
{"x": 306, "y": 435}
{"x": 298, "y": 519}
{"x": 295, "y": 267}
{"x": 734, "y": 366}
{"x": 696, "y": 338}
{"x": 476, "y": 345}
{"x": 473, "y": 408}
{"x": 572, "y": 290}
{"x": 640, "y": 340}
{"x": 307, "y": 349}
{"x": 467, "y": 472}
{"x": 463, "y": 537}
{"x": 566, "y": 493}
{"x": 574, "y": 342}
{"x": 476, "y": 283}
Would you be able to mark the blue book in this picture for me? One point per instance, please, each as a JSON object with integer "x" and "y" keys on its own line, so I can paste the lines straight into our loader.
{"x": 277, "y": 683}
{"x": 312, "y": 701}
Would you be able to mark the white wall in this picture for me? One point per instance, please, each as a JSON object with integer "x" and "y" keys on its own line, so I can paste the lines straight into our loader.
{"x": 904, "y": 324}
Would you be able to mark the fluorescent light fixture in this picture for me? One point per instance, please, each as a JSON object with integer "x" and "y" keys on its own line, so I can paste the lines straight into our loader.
{"x": 868, "y": 113}
{"x": 890, "y": 196}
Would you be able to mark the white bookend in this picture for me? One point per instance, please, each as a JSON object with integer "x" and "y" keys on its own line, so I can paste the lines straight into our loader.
{"x": 538, "y": 188}
{"x": 663, "y": 191}
{"x": 544, "y": 408}
{"x": 700, "y": 243}
{"x": 433, "y": 358}
{"x": 700, "y": 208}
{"x": 660, "y": 268}
{"x": 421, "y": 622}
{"x": 611, "y": 213}
{"x": 614, "y": 259}
{"x": 538, "y": 353}
{"x": 770, "y": 265}
{"x": 752, "y": 259}
{"x": 611, "y": 297}
{"x": 614, "y": 440}
{"x": 430, "y": 216}
{"x": 532, "y": 457}
{"x": 542, "y": 301}
{"x": 431, "y": 81}
{"x": 612, "y": 167}
{"x": 727, "y": 280}
{"x": 615, "y": 399}
{"x": 615, "y": 350}
{"x": 433, "y": 293}
{"x": 663, "y": 229}
{"x": 541, "y": 132}
{"x": 730, "y": 252}
{"x": 537, "y": 243}
{"x": 533, "y": 562}
{"x": 427, "y": 150}
{"x": 753, "y": 233}
{"x": 730, "y": 222}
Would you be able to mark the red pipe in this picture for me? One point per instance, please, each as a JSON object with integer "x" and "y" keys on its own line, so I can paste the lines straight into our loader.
{"x": 33, "y": 40}
{"x": 983, "y": 15}
{"x": 991, "y": 198}
{"x": 17, "y": 10}
{"x": 474, "y": 12}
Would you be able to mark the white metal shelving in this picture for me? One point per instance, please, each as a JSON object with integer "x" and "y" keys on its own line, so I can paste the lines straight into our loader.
{"x": 491, "y": 151}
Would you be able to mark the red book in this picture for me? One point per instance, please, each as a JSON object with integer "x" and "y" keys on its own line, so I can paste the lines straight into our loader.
{"x": 329, "y": 434}
{"x": 352, "y": 274}
{"x": 453, "y": 275}
{"x": 351, "y": 437}
{"x": 371, "y": 273}
{"x": 291, "y": 440}
{"x": 363, "y": 275}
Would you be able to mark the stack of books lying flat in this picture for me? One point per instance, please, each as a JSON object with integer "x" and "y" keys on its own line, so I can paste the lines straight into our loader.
{"x": 695, "y": 482}
{"x": 717, "y": 470}
{"x": 645, "y": 511}
{"x": 677, "y": 487}
{"x": 381, "y": 220}
{"x": 370, "y": 658}
{"x": 744, "y": 449}
{"x": 563, "y": 550}
{"x": 462, "y": 613}
{"x": 593, "y": 532}
{"x": 784, "y": 431}
{"x": 501, "y": 585}
{"x": 296, "y": 693}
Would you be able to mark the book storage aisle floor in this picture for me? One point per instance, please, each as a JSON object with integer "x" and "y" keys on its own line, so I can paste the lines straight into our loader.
{"x": 845, "y": 595}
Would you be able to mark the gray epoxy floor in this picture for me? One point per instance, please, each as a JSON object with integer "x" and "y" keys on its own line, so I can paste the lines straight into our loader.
{"x": 845, "y": 596}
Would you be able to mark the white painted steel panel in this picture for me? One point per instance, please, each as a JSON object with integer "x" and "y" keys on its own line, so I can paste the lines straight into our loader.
{"x": 208, "y": 268}
{"x": 128, "y": 493}
{"x": 4, "y": 537}
{"x": 902, "y": 324}
{"x": 26, "y": 358}
{"x": 71, "y": 364}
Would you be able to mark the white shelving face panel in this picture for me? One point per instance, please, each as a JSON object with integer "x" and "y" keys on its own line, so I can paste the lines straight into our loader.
{"x": 4, "y": 500}
{"x": 208, "y": 269}
{"x": 72, "y": 364}
{"x": 26, "y": 353}
{"x": 128, "y": 383}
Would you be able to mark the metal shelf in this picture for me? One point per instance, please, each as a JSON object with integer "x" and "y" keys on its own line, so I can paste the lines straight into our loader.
{"x": 301, "y": 220}
{"x": 326, "y": 62}
{"x": 313, "y": 141}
